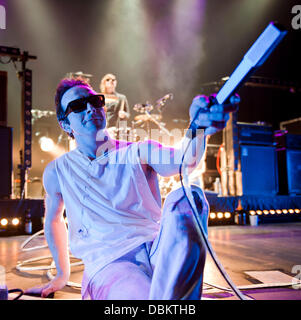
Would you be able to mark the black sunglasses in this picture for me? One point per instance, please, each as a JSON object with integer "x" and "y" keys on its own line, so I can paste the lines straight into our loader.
{"x": 79, "y": 105}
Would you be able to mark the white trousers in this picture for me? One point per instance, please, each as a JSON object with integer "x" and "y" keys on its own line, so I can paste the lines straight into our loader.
{"x": 169, "y": 268}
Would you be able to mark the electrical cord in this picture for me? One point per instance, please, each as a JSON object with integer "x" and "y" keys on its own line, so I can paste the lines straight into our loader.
{"x": 21, "y": 293}
{"x": 247, "y": 287}
{"x": 20, "y": 265}
{"x": 198, "y": 224}
{"x": 4, "y": 292}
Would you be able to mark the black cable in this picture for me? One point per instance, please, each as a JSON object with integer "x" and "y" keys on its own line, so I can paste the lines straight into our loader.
{"x": 203, "y": 236}
{"x": 16, "y": 290}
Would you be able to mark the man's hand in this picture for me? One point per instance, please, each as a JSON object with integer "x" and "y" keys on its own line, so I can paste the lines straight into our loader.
{"x": 213, "y": 118}
{"x": 44, "y": 291}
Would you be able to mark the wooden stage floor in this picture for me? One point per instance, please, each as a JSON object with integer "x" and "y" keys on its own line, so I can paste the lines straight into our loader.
{"x": 257, "y": 258}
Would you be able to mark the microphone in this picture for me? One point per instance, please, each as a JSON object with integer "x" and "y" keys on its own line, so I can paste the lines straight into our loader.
{"x": 252, "y": 60}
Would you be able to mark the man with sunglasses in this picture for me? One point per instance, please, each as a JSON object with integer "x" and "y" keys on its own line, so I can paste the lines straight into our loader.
{"x": 131, "y": 248}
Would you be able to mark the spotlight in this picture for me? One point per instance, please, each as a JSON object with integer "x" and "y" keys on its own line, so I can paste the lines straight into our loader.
{"x": 266, "y": 211}
{"x": 297, "y": 210}
{"x": 220, "y": 215}
{"x": 227, "y": 215}
{"x": 252, "y": 212}
{"x": 46, "y": 144}
{"x": 284, "y": 211}
{"x": 279, "y": 211}
{"x": 291, "y": 211}
{"x": 4, "y": 222}
{"x": 259, "y": 212}
{"x": 272, "y": 211}
{"x": 212, "y": 215}
{"x": 15, "y": 221}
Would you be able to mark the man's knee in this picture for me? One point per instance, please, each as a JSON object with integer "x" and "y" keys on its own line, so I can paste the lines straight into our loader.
{"x": 121, "y": 281}
{"x": 178, "y": 206}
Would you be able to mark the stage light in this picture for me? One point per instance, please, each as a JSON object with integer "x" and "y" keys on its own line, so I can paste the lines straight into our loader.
{"x": 220, "y": 215}
{"x": 15, "y": 221}
{"x": 272, "y": 211}
{"x": 252, "y": 212}
{"x": 227, "y": 215}
{"x": 291, "y": 211}
{"x": 279, "y": 211}
{"x": 4, "y": 222}
{"x": 46, "y": 144}
{"x": 259, "y": 212}
{"x": 266, "y": 212}
{"x": 297, "y": 211}
{"x": 212, "y": 215}
{"x": 284, "y": 211}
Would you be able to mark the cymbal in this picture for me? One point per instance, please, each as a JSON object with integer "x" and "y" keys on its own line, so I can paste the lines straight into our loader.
{"x": 150, "y": 117}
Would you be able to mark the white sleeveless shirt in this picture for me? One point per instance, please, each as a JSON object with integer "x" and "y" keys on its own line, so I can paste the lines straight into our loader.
{"x": 110, "y": 206}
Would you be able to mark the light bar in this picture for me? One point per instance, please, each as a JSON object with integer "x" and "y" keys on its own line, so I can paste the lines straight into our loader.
{"x": 4, "y": 222}
{"x": 274, "y": 211}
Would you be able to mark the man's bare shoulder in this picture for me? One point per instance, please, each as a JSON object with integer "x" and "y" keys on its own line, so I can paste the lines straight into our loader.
{"x": 50, "y": 179}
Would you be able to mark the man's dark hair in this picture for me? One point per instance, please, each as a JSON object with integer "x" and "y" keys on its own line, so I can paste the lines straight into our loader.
{"x": 63, "y": 86}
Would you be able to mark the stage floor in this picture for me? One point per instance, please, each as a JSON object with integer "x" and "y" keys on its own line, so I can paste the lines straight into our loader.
{"x": 259, "y": 258}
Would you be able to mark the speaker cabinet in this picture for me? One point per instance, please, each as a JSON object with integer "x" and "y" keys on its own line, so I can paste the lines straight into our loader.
{"x": 6, "y": 162}
{"x": 259, "y": 170}
{"x": 3, "y": 98}
{"x": 293, "y": 162}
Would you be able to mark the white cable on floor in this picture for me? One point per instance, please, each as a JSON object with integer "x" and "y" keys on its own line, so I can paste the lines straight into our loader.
{"x": 215, "y": 288}
{"x": 20, "y": 265}
{"x": 31, "y": 238}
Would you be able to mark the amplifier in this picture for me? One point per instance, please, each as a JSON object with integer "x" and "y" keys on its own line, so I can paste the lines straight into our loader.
{"x": 293, "y": 141}
{"x": 259, "y": 170}
{"x": 289, "y": 171}
{"x": 6, "y": 162}
{"x": 293, "y": 158}
{"x": 284, "y": 140}
{"x": 3, "y": 98}
{"x": 257, "y": 134}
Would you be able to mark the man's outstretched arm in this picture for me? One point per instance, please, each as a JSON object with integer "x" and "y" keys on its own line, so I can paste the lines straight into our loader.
{"x": 166, "y": 160}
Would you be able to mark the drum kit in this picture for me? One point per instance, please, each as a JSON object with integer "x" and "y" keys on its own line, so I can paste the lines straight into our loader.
{"x": 149, "y": 120}
{"x": 145, "y": 120}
